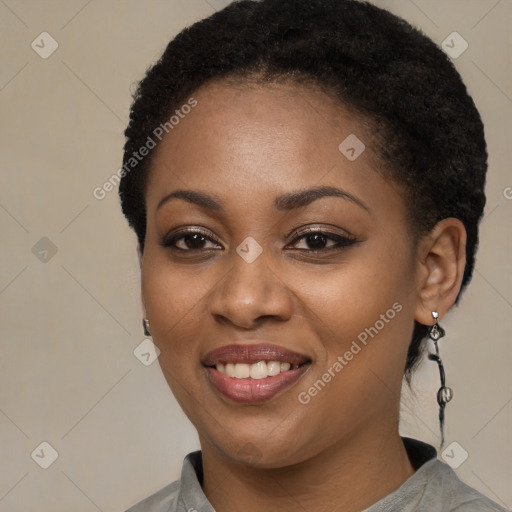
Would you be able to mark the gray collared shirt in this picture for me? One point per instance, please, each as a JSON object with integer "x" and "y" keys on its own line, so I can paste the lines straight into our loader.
{"x": 433, "y": 487}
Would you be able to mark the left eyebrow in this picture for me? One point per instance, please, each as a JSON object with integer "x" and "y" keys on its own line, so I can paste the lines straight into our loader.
{"x": 304, "y": 197}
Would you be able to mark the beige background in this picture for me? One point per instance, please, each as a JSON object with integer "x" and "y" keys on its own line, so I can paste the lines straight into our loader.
{"x": 69, "y": 325}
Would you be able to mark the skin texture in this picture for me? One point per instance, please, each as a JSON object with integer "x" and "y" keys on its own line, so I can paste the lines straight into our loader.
{"x": 246, "y": 145}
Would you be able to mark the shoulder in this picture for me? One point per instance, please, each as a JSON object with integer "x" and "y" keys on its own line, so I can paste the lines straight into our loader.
{"x": 181, "y": 494}
{"x": 434, "y": 486}
{"x": 455, "y": 495}
{"x": 163, "y": 500}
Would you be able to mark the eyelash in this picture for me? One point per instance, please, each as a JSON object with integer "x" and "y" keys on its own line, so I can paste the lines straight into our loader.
{"x": 341, "y": 241}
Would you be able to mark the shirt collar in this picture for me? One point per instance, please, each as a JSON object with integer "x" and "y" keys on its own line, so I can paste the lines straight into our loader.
{"x": 193, "y": 497}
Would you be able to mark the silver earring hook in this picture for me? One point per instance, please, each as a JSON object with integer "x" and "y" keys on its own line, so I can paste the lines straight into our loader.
{"x": 444, "y": 394}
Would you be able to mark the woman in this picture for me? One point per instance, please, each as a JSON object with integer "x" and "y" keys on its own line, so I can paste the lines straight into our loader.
{"x": 305, "y": 179}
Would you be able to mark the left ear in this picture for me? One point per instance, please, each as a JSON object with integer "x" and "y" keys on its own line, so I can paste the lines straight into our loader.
{"x": 440, "y": 269}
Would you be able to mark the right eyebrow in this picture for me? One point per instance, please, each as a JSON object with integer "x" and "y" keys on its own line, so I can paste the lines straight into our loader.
{"x": 194, "y": 197}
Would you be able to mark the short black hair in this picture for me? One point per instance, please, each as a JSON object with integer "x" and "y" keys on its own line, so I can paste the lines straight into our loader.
{"x": 426, "y": 128}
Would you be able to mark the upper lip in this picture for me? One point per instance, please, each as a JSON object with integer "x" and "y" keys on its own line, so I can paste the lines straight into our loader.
{"x": 252, "y": 353}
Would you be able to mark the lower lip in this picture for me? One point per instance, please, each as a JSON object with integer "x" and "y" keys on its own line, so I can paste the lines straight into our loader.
{"x": 249, "y": 391}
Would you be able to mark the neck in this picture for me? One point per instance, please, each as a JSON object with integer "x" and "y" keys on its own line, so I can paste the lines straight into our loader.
{"x": 348, "y": 476}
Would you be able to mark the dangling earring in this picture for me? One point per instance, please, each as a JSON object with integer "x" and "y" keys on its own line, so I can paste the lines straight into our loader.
{"x": 444, "y": 394}
{"x": 145, "y": 326}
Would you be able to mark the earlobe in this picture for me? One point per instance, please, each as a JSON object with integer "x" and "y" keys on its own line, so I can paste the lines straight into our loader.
{"x": 441, "y": 264}
{"x": 145, "y": 327}
{"x": 145, "y": 321}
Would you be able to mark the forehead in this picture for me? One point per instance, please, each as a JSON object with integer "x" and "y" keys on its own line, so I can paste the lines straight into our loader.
{"x": 264, "y": 139}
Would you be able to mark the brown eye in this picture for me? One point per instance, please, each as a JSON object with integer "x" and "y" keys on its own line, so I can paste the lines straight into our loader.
{"x": 192, "y": 241}
{"x": 316, "y": 241}
{"x": 189, "y": 241}
{"x": 321, "y": 241}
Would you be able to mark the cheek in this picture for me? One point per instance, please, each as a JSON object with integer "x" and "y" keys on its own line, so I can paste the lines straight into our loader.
{"x": 173, "y": 303}
{"x": 349, "y": 300}
{"x": 363, "y": 320}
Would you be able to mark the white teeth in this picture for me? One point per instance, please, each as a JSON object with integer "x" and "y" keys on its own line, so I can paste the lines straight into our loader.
{"x": 259, "y": 370}
{"x": 273, "y": 368}
{"x": 242, "y": 371}
{"x": 230, "y": 370}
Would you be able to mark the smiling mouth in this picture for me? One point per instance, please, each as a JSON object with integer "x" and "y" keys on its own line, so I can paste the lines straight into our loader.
{"x": 253, "y": 373}
{"x": 256, "y": 371}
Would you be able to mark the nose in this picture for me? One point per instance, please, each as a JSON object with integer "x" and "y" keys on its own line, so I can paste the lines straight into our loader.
{"x": 250, "y": 293}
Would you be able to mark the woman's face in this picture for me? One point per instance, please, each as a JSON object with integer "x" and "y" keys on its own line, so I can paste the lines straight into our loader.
{"x": 255, "y": 285}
